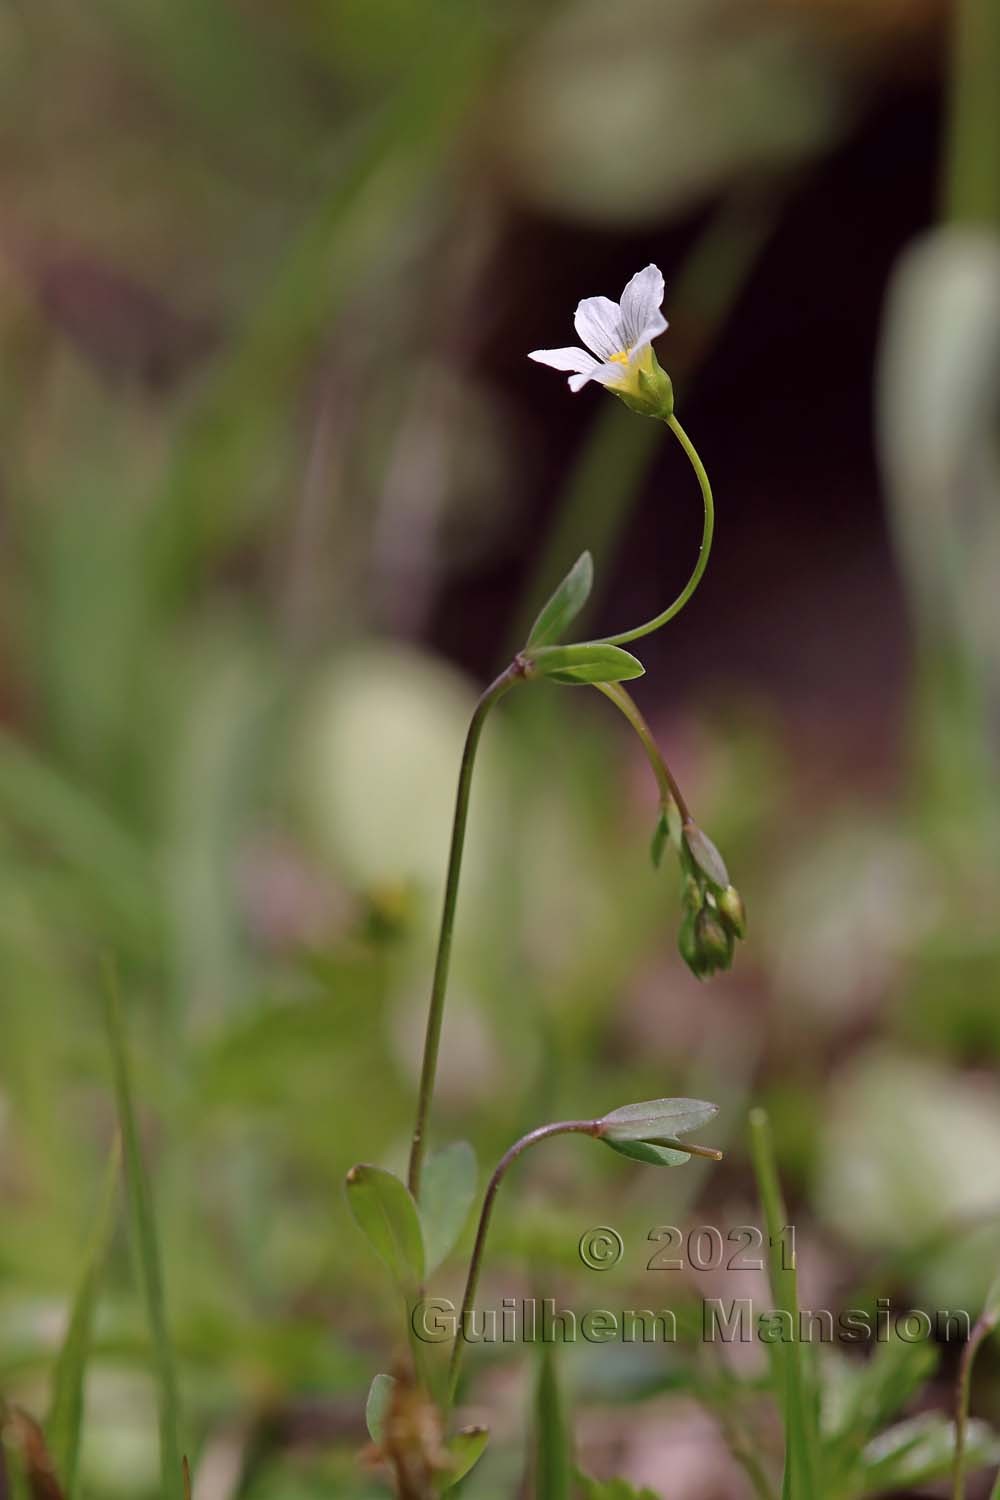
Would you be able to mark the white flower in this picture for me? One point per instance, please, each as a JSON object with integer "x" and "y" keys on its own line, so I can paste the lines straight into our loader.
{"x": 619, "y": 334}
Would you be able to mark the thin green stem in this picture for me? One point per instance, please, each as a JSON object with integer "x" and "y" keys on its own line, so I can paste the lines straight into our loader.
{"x": 665, "y": 780}
{"x": 787, "y": 1360}
{"x": 543, "y": 1133}
{"x": 708, "y": 530}
{"x": 982, "y": 1328}
{"x": 435, "y": 1015}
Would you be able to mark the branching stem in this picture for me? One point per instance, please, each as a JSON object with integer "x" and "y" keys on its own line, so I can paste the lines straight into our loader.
{"x": 543, "y": 1133}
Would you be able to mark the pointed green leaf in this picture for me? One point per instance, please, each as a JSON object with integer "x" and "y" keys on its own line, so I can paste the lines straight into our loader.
{"x": 565, "y": 604}
{"x": 583, "y": 663}
{"x": 465, "y": 1449}
{"x": 377, "y": 1406}
{"x": 656, "y": 1120}
{"x": 653, "y": 1156}
{"x": 794, "y": 1376}
{"x": 449, "y": 1186}
{"x": 66, "y": 1409}
{"x": 386, "y": 1214}
{"x": 553, "y": 1464}
{"x": 147, "y": 1248}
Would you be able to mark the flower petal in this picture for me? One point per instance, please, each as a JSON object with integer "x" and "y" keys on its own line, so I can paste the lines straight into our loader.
{"x": 598, "y": 322}
{"x": 645, "y": 338}
{"x": 572, "y": 358}
{"x": 610, "y": 375}
{"x": 641, "y": 318}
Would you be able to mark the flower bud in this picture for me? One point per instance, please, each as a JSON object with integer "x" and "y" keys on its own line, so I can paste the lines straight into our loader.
{"x": 687, "y": 943}
{"x": 704, "y": 943}
{"x": 715, "y": 943}
{"x": 692, "y": 895}
{"x": 733, "y": 912}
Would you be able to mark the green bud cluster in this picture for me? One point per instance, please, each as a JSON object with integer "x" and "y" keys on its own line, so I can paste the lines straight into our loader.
{"x": 713, "y": 914}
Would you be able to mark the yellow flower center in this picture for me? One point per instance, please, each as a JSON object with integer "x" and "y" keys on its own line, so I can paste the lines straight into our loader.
{"x": 619, "y": 359}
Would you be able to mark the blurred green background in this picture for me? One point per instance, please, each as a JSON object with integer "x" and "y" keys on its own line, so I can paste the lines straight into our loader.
{"x": 278, "y": 489}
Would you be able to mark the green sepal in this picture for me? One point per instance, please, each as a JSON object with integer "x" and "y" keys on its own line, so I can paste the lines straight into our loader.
{"x": 706, "y": 856}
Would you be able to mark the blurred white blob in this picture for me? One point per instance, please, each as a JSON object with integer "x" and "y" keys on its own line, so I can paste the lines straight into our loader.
{"x": 847, "y": 910}
{"x": 939, "y": 405}
{"x": 620, "y": 112}
{"x": 468, "y": 1065}
{"x": 119, "y": 1447}
{"x": 378, "y": 760}
{"x": 909, "y": 1149}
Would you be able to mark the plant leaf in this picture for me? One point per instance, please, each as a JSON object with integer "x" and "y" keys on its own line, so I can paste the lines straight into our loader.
{"x": 917, "y": 1452}
{"x": 877, "y": 1390}
{"x": 792, "y": 1375}
{"x": 380, "y": 1394}
{"x": 147, "y": 1248}
{"x": 449, "y": 1186}
{"x": 583, "y": 663}
{"x": 656, "y": 1120}
{"x": 466, "y": 1449}
{"x": 653, "y": 1156}
{"x": 565, "y": 604}
{"x": 66, "y": 1407}
{"x": 553, "y": 1466}
{"x": 386, "y": 1214}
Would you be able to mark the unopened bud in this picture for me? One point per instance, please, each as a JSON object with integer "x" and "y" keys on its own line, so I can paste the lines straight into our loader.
{"x": 733, "y": 912}
{"x": 692, "y": 896}
{"x": 687, "y": 942}
{"x": 705, "y": 944}
{"x": 715, "y": 943}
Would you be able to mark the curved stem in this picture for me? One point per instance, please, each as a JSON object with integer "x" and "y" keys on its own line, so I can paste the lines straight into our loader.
{"x": 543, "y": 1133}
{"x": 665, "y": 780}
{"x": 435, "y": 1015}
{"x": 708, "y": 530}
{"x": 981, "y": 1330}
